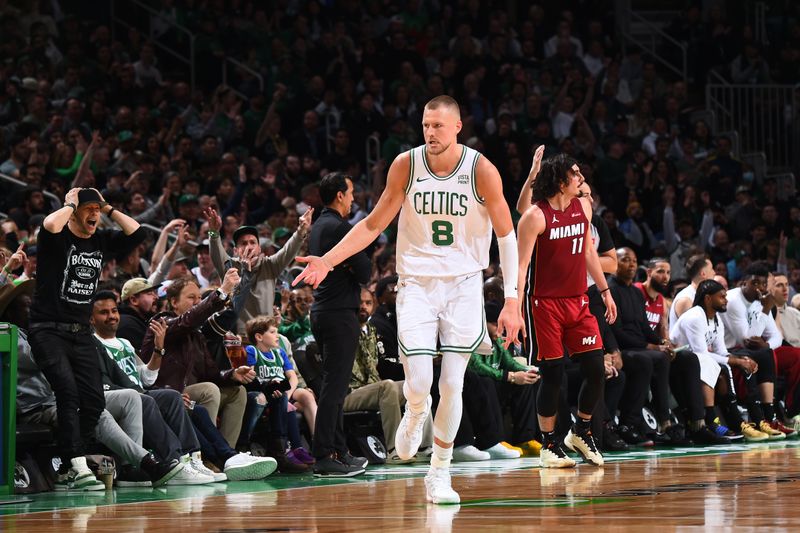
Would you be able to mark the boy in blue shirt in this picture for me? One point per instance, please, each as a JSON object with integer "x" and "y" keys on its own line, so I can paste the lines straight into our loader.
{"x": 275, "y": 382}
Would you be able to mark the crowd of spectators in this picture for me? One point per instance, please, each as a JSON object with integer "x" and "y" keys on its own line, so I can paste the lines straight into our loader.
{"x": 82, "y": 106}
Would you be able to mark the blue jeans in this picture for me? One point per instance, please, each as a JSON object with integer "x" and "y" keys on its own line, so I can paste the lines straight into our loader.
{"x": 213, "y": 445}
{"x": 277, "y": 415}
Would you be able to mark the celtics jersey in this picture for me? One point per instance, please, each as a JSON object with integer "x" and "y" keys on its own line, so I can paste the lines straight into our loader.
{"x": 444, "y": 226}
{"x": 268, "y": 366}
{"x": 123, "y": 353}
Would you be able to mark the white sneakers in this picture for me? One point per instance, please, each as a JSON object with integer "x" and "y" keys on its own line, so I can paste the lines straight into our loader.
{"x": 190, "y": 475}
{"x": 409, "y": 433}
{"x": 468, "y": 452}
{"x": 585, "y": 446}
{"x": 196, "y": 461}
{"x": 555, "y": 458}
{"x": 438, "y": 487}
{"x": 243, "y": 467}
{"x": 78, "y": 477}
{"x": 498, "y": 451}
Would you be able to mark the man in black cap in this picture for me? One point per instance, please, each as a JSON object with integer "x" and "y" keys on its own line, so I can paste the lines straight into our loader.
{"x": 59, "y": 318}
{"x": 258, "y": 271}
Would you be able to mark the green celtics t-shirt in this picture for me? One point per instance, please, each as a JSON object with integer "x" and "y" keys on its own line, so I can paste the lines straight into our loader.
{"x": 269, "y": 366}
{"x": 123, "y": 353}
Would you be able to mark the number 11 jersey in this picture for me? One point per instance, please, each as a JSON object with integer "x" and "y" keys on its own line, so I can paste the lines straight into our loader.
{"x": 558, "y": 261}
{"x": 444, "y": 227}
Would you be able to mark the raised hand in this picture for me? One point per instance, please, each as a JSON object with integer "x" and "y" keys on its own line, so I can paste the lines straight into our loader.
{"x": 305, "y": 221}
{"x": 537, "y": 160}
{"x": 230, "y": 281}
{"x": 315, "y": 271}
{"x": 159, "y": 329}
{"x": 213, "y": 218}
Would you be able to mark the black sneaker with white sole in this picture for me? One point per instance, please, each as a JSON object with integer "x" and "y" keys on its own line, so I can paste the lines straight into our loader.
{"x": 333, "y": 466}
{"x": 130, "y": 476}
{"x": 159, "y": 472}
{"x": 353, "y": 460}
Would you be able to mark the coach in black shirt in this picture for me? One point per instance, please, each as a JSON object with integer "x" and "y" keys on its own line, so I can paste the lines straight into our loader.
{"x": 60, "y": 338}
{"x": 334, "y": 323}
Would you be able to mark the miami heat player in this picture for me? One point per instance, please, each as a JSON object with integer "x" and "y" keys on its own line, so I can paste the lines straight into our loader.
{"x": 555, "y": 253}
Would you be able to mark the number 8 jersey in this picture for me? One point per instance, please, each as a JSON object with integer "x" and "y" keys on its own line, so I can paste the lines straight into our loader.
{"x": 444, "y": 227}
{"x": 558, "y": 262}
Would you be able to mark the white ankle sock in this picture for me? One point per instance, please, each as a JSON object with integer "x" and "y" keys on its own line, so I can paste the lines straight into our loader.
{"x": 79, "y": 464}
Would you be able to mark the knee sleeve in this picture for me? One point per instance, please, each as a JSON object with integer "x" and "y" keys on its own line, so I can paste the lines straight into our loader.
{"x": 593, "y": 380}
{"x": 549, "y": 388}
{"x": 419, "y": 378}
{"x": 451, "y": 384}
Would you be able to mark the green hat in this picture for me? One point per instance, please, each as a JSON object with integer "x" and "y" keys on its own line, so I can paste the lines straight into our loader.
{"x": 280, "y": 233}
{"x": 187, "y": 199}
{"x": 124, "y": 135}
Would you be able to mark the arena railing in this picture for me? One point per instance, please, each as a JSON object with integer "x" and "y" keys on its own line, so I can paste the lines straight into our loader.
{"x": 138, "y": 15}
{"x": 766, "y": 117}
{"x": 240, "y": 67}
{"x": 651, "y": 39}
{"x": 373, "y": 151}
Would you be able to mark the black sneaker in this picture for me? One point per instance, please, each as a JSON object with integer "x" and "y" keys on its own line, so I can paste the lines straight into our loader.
{"x": 677, "y": 435}
{"x": 353, "y": 460}
{"x": 130, "y": 476}
{"x": 706, "y": 435}
{"x": 331, "y": 466}
{"x": 660, "y": 439}
{"x": 612, "y": 442}
{"x": 633, "y": 437}
{"x": 159, "y": 472}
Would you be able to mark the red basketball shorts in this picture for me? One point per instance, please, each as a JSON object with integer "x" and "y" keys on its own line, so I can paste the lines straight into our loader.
{"x": 555, "y": 323}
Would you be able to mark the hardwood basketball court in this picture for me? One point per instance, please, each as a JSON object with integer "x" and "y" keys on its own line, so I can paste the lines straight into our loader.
{"x": 736, "y": 486}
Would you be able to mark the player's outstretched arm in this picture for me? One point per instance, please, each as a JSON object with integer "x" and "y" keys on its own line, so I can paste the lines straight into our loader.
{"x": 490, "y": 187}
{"x": 594, "y": 268}
{"x": 525, "y": 195}
{"x": 366, "y": 231}
{"x": 530, "y": 226}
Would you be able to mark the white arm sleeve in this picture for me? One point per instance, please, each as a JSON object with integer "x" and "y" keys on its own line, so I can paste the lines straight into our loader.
{"x": 509, "y": 263}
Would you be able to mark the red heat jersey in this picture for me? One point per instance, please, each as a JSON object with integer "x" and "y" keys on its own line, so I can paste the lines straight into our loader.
{"x": 653, "y": 308}
{"x": 558, "y": 262}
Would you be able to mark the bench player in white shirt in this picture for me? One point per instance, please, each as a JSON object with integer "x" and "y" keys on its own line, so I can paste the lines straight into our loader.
{"x": 451, "y": 199}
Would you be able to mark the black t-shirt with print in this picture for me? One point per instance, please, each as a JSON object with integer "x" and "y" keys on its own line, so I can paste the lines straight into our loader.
{"x": 68, "y": 271}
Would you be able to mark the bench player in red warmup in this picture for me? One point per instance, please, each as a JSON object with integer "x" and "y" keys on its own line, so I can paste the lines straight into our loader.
{"x": 555, "y": 253}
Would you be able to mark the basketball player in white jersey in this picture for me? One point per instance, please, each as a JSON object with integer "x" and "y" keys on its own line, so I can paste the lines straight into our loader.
{"x": 451, "y": 198}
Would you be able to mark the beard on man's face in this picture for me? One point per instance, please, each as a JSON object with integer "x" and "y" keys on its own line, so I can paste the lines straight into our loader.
{"x": 659, "y": 287}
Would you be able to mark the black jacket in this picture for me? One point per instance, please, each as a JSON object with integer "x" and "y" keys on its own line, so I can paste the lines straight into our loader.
{"x": 132, "y": 326}
{"x": 631, "y": 329}
{"x": 341, "y": 289}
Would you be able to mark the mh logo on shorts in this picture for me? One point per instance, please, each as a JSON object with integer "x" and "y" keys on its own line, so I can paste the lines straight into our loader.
{"x": 588, "y": 341}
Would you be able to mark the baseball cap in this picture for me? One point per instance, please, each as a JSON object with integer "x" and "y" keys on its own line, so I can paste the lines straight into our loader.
{"x": 135, "y": 286}
{"x": 124, "y": 135}
{"x": 89, "y": 196}
{"x": 280, "y": 233}
{"x": 187, "y": 199}
{"x": 245, "y": 230}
